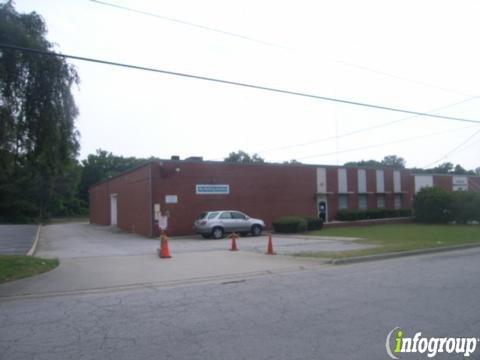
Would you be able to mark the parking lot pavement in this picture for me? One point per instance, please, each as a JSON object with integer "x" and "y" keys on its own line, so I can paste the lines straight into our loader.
{"x": 282, "y": 244}
{"x": 87, "y": 240}
{"x": 94, "y": 257}
{"x": 16, "y": 239}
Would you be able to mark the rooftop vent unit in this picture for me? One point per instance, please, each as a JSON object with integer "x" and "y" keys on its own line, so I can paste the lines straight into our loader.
{"x": 175, "y": 157}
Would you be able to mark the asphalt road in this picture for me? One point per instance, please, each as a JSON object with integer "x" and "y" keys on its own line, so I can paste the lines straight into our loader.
{"x": 16, "y": 239}
{"x": 337, "y": 312}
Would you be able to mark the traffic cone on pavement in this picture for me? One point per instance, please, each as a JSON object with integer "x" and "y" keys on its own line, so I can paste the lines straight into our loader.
{"x": 164, "y": 252}
{"x": 270, "y": 246}
{"x": 234, "y": 242}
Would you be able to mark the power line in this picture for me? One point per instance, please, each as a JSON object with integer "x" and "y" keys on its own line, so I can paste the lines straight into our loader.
{"x": 220, "y": 31}
{"x": 316, "y": 141}
{"x": 383, "y": 144}
{"x": 384, "y": 73}
{"x": 183, "y": 22}
{"x": 235, "y": 83}
{"x": 454, "y": 149}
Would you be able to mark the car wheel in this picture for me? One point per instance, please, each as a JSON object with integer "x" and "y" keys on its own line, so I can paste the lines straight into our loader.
{"x": 206, "y": 236}
{"x": 217, "y": 233}
{"x": 256, "y": 230}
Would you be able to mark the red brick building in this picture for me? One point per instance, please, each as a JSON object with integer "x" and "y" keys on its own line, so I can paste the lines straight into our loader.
{"x": 181, "y": 190}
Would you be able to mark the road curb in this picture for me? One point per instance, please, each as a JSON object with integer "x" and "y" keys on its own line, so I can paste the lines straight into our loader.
{"x": 357, "y": 259}
{"x": 35, "y": 242}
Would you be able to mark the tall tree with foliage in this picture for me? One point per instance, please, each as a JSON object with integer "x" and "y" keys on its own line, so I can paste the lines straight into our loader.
{"x": 38, "y": 139}
{"x": 389, "y": 161}
{"x": 103, "y": 165}
{"x": 242, "y": 157}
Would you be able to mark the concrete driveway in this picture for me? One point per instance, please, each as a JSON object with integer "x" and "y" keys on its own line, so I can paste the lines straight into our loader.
{"x": 87, "y": 240}
{"x": 16, "y": 239}
{"x": 100, "y": 258}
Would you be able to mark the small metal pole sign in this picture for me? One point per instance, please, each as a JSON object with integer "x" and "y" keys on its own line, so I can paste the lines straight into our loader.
{"x": 163, "y": 222}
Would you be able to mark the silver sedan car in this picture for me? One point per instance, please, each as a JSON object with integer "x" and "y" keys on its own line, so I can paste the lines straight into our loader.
{"x": 216, "y": 223}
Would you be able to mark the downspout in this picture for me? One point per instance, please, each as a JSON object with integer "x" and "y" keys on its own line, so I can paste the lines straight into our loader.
{"x": 150, "y": 210}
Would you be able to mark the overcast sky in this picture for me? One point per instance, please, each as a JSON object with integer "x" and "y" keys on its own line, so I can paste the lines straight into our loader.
{"x": 417, "y": 55}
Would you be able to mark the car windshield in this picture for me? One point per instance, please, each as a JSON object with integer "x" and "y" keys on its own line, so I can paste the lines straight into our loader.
{"x": 202, "y": 216}
{"x": 212, "y": 215}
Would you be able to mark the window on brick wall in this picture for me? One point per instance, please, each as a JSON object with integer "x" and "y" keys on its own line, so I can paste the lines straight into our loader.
{"x": 381, "y": 201}
{"x": 362, "y": 202}
{"x": 398, "y": 201}
{"x": 342, "y": 202}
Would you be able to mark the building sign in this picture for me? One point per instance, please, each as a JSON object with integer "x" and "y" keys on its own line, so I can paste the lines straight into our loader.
{"x": 460, "y": 183}
{"x": 171, "y": 199}
{"x": 212, "y": 189}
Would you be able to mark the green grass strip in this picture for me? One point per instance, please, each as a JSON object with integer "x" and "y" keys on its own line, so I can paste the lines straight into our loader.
{"x": 14, "y": 267}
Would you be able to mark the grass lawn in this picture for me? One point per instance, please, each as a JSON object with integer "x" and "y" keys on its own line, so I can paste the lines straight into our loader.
{"x": 18, "y": 267}
{"x": 400, "y": 237}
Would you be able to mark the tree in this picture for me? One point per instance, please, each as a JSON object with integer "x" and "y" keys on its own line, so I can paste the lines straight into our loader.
{"x": 38, "y": 139}
{"x": 477, "y": 171}
{"x": 364, "y": 163}
{"x": 390, "y": 161}
{"x": 444, "y": 168}
{"x": 292, "y": 162}
{"x": 103, "y": 165}
{"x": 394, "y": 161}
{"x": 449, "y": 168}
{"x": 243, "y": 157}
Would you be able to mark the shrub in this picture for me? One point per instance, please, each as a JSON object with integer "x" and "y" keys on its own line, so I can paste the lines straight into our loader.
{"x": 290, "y": 224}
{"x": 352, "y": 215}
{"x": 465, "y": 206}
{"x": 433, "y": 205}
{"x": 314, "y": 223}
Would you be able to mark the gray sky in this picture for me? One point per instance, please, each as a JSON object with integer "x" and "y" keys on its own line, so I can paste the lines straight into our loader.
{"x": 418, "y": 55}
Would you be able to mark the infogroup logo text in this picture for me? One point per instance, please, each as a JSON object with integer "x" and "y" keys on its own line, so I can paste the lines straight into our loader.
{"x": 430, "y": 346}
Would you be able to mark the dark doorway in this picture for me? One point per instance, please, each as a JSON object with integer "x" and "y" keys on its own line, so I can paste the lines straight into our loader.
{"x": 322, "y": 210}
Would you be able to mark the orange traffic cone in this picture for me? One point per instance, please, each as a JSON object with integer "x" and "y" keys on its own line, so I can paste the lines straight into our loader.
{"x": 234, "y": 242}
{"x": 164, "y": 252}
{"x": 270, "y": 246}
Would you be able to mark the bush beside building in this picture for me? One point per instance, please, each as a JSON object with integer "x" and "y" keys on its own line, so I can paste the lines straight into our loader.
{"x": 435, "y": 205}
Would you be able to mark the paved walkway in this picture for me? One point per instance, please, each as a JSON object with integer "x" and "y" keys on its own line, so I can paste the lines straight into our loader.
{"x": 16, "y": 239}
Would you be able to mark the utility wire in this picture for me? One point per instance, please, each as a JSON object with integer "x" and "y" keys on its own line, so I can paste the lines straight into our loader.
{"x": 454, "y": 149}
{"x": 393, "y": 76}
{"x": 383, "y": 144}
{"x": 316, "y": 141}
{"x": 344, "y": 63}
{"x": 235, "y": 83}
{"x": 183, "y": 22}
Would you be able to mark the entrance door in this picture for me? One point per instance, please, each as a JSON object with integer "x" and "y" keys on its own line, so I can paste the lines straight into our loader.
{"x": 113, "y": 210}
{"x": 322, "y": 209}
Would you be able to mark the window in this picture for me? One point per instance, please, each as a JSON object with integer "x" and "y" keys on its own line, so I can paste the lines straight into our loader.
{"x": 362, "y": 180}
{"x": 397, "y": 181}
{"x": 238, "y": 216}
{"x": 212, "y": 215}
{"x": 342, "y": 180}
{"x": 398, "y": 201}
{"x": 226, "y": 215}
{"x": 381, "y": 201}
{"x": 380, "y": 181}
{"x": 362, "y": 202}
{"x": 342, "y": 202}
